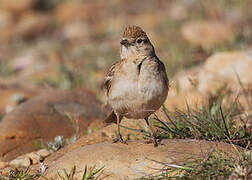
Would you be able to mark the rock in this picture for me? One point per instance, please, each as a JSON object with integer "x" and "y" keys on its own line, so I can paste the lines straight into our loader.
{"x": 75, "y": 31}
{"x": 226, "y": 68}
{"x": 185, "y": 81}
{"x": 178, "y": 10}
{"x": 13, "y": 96}
{"x": 7, "y": 25}
{"x": 71, "y": 11}
{"x": 207, "y": 34}
{"x": 27, "y": 159}
{"x": 183, "y": 100}
{"x": 107, "y": 133}
{"x": 15, "y": 6}
{"x": 183, "y": 91}
{"x": 134, "y": 160}
{"x": 36, "y": 156}
{"x": 68, "y": 11}
{"x": 221, "y": 70}
{"x": 3, "y": 164}
{"x": 50, "y": 114}
{"x": 6, "y": 19}
{"x": 32, "y": 24}
{"x": 43, "y": 153}
{"x": 27, "y": 26}
{"x": 21, "y": 161}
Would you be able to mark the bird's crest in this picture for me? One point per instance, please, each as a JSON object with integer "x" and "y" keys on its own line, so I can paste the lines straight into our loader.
{"x": 134, "y": 32}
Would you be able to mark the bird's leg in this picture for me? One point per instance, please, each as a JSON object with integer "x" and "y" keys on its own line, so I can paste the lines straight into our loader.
{"x": 119, "y": 136}
{"x": 151, "y": 131}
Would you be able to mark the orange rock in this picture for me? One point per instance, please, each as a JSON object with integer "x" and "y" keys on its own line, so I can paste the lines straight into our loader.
{"x": 3, "y": 164}
{"x": 46, "y": 116}
{"x": 207, "y": 34}
{"x": 11, "y": 97}
{"x": 133, "y": 160}
{"x": 222, "y": 70}
{"x": 71, "y": 11}
{"x": 21, "y": 161}
{"x": 226, "y": 68}
{"x": 6, "y": 19}
{"x": 36, "y": 156}
{"x": 32, "y": 24}
{"x": 15, "y": 6}
{"x": 180, "y": 101}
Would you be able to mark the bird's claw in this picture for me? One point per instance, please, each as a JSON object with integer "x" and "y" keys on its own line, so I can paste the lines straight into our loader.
{"x": 153, "y": 140}
{"x": 119, "y": 138}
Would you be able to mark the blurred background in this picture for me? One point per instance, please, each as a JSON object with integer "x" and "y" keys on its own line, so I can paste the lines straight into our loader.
{"x": 57, "y": 45}
{"x": 70, "y": 44}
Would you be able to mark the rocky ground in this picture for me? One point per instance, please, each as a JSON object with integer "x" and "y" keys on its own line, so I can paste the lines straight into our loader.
{"x": 54, "y": 55}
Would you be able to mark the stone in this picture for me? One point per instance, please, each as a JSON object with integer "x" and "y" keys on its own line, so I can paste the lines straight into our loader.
{"x": 43, "y": 153}
{"x": 178, "y": 11}
{"x": 134, "y": 160}
{"x": 3, "y": 164}
{"x": 36, "y": 156}
{"x": 71, "y": 11}
{"x": 31, "y": 25}
{"x": 13, "y": 96}
{"x": 226, "y": 68}
{"x": 75, "y": 31}
{"x": 16, "y": 7}
{"x": 21, "y": 161}
{"x": 184, "y": 91}
{"x": 229, "y": 70}
{"x": 192, "y": 99}
{"x": 6, "y": 19}
{"x": 33, "y": 156}
{"x": 39, "y": 120}
{"x": 214, "y": 32}
{"x": 185, "y": 81}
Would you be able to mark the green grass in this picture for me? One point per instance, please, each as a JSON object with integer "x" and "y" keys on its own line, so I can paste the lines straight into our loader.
{"x": 20, "y": 175}
{"x": 216, "y": 121}
{"x": 213, "y": 122}
{"x": 222, "y": 119}
{"x": 89, "y": 173}
{"x": 215, "y": 165}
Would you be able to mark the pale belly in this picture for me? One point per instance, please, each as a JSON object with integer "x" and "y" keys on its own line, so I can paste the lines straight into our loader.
{"x": 133, "y": 100}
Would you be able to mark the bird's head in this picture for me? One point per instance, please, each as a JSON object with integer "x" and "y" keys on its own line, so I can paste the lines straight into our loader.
{"x": 135, "y": 42}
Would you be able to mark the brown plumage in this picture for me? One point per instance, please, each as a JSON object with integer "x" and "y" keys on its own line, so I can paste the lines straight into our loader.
{"x": 133, "y": 32}
{"x": 137, "y": 85}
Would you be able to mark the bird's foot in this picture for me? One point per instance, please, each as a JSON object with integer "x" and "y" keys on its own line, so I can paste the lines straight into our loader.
{"x": 153, "y": 140}
{"x": 119, "y": 138}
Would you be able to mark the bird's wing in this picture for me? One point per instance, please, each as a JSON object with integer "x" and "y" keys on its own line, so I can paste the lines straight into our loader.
{"x": 162, "y": 70}
{"x": 158, "y": 65}
{"x": 109, "y": 77}
{"x": 111, "y": 118}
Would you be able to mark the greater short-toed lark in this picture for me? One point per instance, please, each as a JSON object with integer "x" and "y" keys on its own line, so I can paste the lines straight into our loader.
{"x": 137, "y": 85}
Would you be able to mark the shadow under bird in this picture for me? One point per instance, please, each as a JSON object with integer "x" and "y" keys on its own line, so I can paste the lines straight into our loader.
{"x": 137, "y": 85}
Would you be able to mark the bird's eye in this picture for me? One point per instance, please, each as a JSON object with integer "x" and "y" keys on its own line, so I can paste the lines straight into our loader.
{"x": 139, "y": 41}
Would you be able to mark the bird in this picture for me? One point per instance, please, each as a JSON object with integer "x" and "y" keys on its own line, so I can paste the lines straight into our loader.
{"x": 136, "y": 85}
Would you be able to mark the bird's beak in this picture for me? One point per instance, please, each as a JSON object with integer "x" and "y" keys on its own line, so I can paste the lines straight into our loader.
{"x": 124, "y": 42}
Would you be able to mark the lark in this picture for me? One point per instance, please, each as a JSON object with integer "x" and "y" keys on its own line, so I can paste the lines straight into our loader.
{"x": 137, "y": 85}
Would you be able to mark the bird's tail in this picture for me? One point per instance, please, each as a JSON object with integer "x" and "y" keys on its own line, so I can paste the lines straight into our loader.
{"x": 111, "y": 118}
